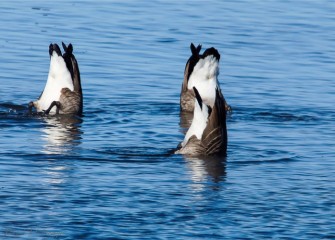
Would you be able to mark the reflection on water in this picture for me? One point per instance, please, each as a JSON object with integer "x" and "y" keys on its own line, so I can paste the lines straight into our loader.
{"x": 185, "y": 121}
{"x": 203, "y": 168}
{"x": 55, "y": 174}
{"x": 62, "y": 134}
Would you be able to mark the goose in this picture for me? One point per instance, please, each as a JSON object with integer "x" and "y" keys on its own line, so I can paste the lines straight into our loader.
{"x": 71, "y": 99}
{"x": 201, "y": 71}
{"x": 207, "y": 134}
{"x": 62, "y": 93}
{"x": 59, "y": 77}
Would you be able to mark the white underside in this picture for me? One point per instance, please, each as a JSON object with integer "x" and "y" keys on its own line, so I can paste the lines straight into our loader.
{"x": 59, "y": 77}
{"x": 199, "y": 123}
{"x": 204, "y": 78}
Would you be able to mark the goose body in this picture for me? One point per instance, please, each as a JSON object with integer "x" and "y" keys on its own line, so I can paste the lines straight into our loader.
{"x": 201, "y": 71}
{"x": 207, "y": 134}
{"x": 59, "y": 77}
{"x": 204, "y": 78}
{"x": 62, "y": 93}
{"x": 71, "y": 100}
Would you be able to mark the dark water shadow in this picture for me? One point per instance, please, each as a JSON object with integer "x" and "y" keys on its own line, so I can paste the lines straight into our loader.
{"x": 13, "y": 115}
{"x": 61, "y": 133}
{"x": 279, "y": 115}
{"x": 10, "y": 111}
{"x": 8, "y": 107}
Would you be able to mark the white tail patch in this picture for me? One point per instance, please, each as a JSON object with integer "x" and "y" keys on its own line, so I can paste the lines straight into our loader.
{"x": 199, "y": 122}
{"x": 59, "y": 77}
{"x": 204, "y": 78}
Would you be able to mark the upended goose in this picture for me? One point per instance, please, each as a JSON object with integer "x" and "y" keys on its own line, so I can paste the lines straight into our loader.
{"x": 207, "y": 134}
{"x": 62, "y": 93}
{"x": 201, "y": 71}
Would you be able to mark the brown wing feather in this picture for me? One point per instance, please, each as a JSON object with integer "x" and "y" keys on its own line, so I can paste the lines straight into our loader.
{"x": 77, "y": 84}
{"x": 214, "y": 137}
{"x": 185, "y": 82}
{"x": 186, "y": 95}
{"x": 70, "y": 102}
{"x": 193, "y": 147}
{"x": 187, "y": 101}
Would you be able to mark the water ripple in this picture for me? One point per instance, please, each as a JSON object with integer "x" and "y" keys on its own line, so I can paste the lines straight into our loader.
{"x": 111, "y": 174}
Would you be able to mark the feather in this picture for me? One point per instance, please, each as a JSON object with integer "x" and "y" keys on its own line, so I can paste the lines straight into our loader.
{"x": 207, "y": 134}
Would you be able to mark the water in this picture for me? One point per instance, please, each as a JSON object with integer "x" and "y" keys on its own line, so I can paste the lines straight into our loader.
{"x": 111, "y": 174}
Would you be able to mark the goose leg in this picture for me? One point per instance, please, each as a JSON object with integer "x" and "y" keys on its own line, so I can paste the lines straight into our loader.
{"x": 54, "y": 103}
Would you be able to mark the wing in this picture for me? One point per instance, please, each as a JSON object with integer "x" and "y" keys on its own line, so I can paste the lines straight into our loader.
{"x": 187, "y": 100}
{"x": 187, "y": 95}
{"x": 70, "y": 102}
{"x": 185, "y": 82}
{"x": 214, "y": 137}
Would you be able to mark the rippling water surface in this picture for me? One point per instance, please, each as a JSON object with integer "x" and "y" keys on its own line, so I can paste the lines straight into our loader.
{"x": 111, "y": 174}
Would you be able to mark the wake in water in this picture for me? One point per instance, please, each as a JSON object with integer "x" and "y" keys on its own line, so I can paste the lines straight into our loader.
{"x": 60, "y": 133}
{"x": 8, "y": 108}
{"x": 277, "y": 115}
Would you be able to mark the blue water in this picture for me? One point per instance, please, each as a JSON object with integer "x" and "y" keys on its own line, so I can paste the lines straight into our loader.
{"x": 111, "y": 174}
